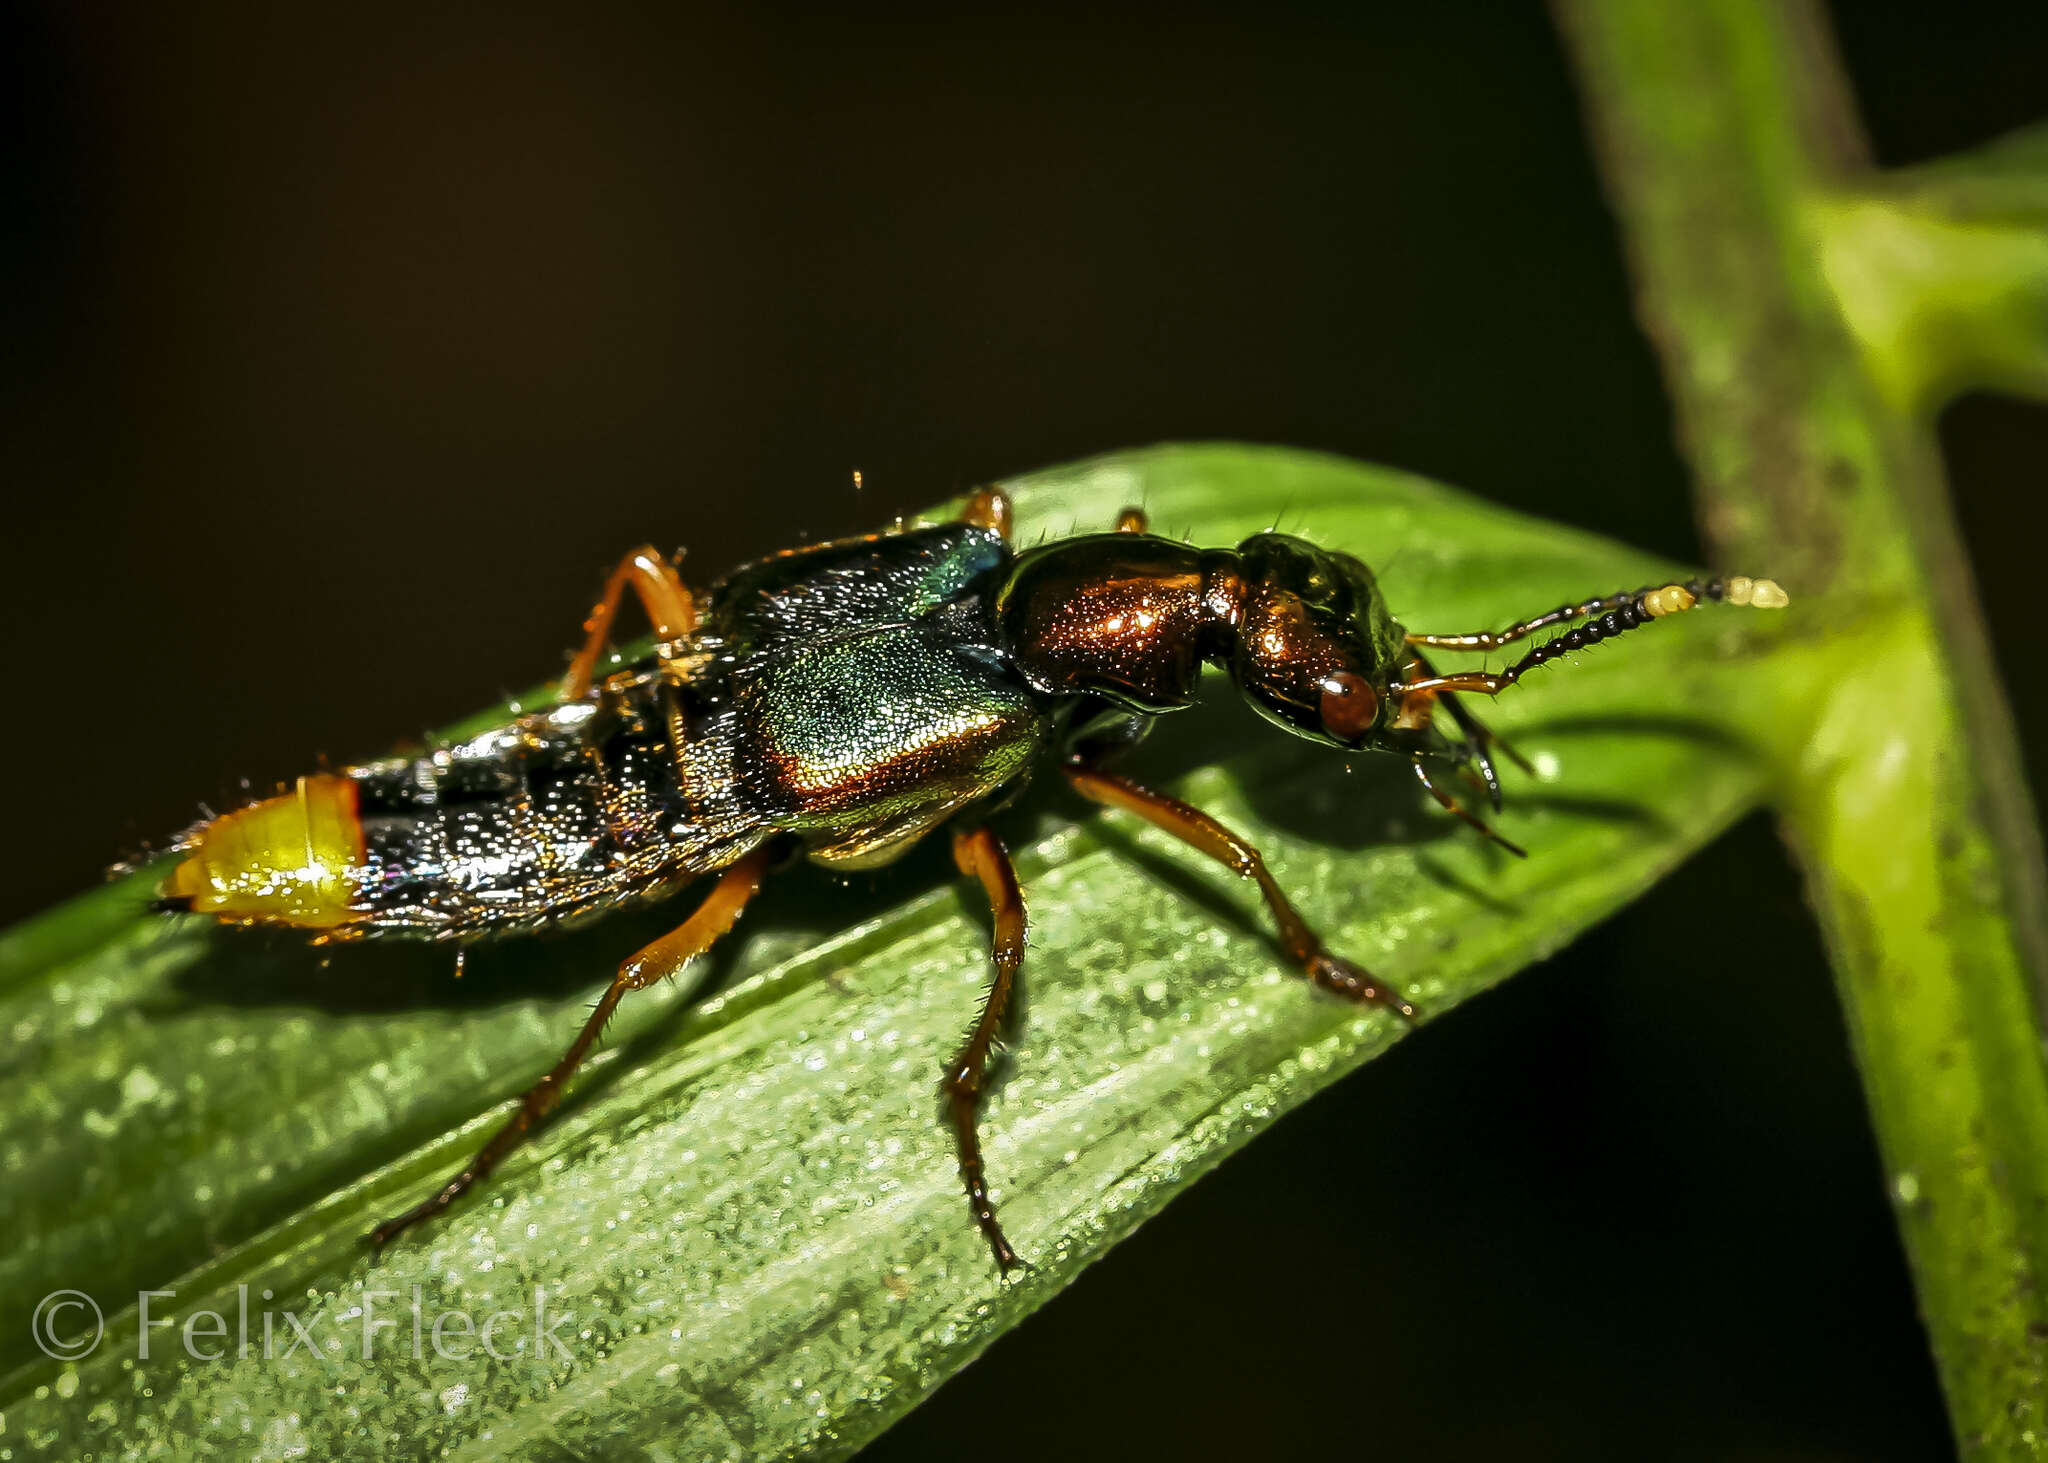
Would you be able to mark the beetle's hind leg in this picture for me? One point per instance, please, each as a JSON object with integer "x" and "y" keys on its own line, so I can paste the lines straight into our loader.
{"x": 989, "y": 508}
{"x": 1204, "y": 834}
{"x": 666, "y": 956}
{"x": 670, "y": 609}
{"x": 980, "y": 854}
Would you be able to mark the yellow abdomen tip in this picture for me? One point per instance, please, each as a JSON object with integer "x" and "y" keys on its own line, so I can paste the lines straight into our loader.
{"x": 287, "y": 860}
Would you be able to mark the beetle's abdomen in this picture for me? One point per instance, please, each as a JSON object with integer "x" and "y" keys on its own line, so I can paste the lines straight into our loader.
{"x": 288, "y": 860}
{"x": 548, "y": 820}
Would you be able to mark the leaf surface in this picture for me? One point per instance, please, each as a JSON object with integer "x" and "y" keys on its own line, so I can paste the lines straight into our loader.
{"x": 749, "y": 1205}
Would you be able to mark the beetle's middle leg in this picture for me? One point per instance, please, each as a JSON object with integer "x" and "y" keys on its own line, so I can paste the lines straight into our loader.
{"x": 670, "y": 609}
{"x": 990, "y": 508}
{"x": 981, "y": 854}
{"x": 666, "y": 956}
{"x": 1204, "y": 834}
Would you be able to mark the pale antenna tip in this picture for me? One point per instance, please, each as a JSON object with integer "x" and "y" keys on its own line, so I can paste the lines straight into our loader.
{"x": 1768, "y": 594}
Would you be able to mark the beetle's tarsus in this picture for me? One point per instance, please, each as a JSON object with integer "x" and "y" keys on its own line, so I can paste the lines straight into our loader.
{"x": 1340, "y": 977}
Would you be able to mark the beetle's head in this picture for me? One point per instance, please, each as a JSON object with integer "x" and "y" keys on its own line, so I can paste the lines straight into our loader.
{"x": 1315, "y": 648}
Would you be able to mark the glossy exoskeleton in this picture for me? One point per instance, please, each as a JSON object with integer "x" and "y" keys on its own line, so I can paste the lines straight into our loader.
{"x": 846, "y": 700}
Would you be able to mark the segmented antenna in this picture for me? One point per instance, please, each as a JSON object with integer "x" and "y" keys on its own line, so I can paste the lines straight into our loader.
{"x": 1622, "y": 612}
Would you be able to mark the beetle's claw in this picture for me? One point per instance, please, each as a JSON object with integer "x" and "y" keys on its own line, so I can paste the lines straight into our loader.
{"x": 1336, "y": 974}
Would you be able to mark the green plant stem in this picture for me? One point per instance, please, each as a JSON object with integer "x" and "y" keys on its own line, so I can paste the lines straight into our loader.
{"x": 1942, "y": 270}
{"x": 1728, "y": 138}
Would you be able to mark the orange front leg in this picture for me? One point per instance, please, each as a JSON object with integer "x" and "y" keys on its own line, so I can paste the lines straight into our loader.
{"x": 1205, "y": 835}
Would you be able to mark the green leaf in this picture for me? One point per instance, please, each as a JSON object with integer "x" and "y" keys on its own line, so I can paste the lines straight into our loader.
{"x": 749, "y": 1205}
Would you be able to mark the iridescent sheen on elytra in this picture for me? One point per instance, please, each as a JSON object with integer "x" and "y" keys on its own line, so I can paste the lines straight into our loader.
{"x": 850, "y": 694}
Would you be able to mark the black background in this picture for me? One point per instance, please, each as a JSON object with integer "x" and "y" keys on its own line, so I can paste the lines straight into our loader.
{"x": 346, "y": 349}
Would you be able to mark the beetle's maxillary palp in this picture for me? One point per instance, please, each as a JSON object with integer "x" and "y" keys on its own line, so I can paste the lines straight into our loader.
{"x": 1478, "y": 771}
{"x": 1480, "y": 739}
{"x": 1452, "y": 806}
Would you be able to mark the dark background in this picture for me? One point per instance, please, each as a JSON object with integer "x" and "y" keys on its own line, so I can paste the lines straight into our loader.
{"x": 345, "y": 350}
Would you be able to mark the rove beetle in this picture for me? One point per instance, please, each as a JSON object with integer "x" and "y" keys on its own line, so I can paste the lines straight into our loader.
{"x": 847, "y": 699}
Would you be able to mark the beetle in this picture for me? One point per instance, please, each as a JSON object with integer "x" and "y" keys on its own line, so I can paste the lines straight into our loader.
{"x": 845, "y": 700}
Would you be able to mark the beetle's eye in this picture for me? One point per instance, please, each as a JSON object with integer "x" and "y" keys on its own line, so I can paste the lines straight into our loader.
{"x": 1350, "y": 706}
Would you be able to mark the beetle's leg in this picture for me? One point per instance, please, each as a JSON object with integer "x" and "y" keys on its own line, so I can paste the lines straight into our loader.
{"x": 1482, "y": 737}
{"x": 1104, "y": 737}
{"x": 982, "y": 855}
{"x": 1451, "y": 806}
{"x": 1204, "y": 834}
{"x": 989, "y": 508}
{"x": 665, "y": 957}
{"x": 669, "y": 605}
{"x": 1132, "y": 520}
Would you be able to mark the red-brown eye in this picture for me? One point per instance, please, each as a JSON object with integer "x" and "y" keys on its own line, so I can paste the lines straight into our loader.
{"x": 1350, "y": 706}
